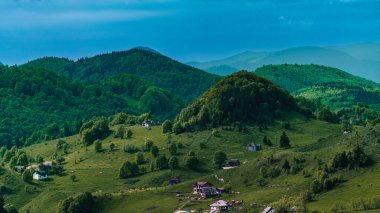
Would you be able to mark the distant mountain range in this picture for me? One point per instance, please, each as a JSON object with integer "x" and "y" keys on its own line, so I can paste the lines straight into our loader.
{"x": 358, "y": 59}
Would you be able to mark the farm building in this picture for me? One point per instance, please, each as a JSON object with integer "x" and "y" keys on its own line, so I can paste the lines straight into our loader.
{"x": 234, "y": 162}
{"x": 220, "y": 206}
{"x": 40, "y": 175}
{"x": 253, "y": 147}
{"x": 174, "y": 180}
{"x": 269, "y": 209}
{"x": 199, "y": 185}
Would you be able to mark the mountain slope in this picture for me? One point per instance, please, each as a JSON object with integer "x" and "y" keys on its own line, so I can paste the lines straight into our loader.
{"x": 240, "y": 97}
{"x": 359, "y": 59}
{"x": 37, "y": 104}
{"x": 157, "y": 69}
{"x": 331, "y": 86}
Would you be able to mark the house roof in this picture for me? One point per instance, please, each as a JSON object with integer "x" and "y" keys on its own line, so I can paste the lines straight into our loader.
{"x": 41, "y": 172}
{"x": 269, "y": 209}
{"x": 203, "y": 183}
{"x": 209, "y": 190}
{"x": 219, "y": 203}
{"x": 234, "y": 160}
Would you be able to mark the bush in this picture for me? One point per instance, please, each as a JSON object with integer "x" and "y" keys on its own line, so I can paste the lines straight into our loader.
{"x": 173, "y": 149}
{"x": 173, "y": 163}
{"x": 220, "y": 158}
{"x": 94, "y": 129}
{"x": 154, "y": 151}
{"x": 148, "y": 144}
{"x": 130, "y": 148}
{"x": 139, "y": 158}
{"x": 98, "y": 146}
{"x": 162, "y": 162}
{"x": 191, "y": 162}
{"x": 167, "y": 126}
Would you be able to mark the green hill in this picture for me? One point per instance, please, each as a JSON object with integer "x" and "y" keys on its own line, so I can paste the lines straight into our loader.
{"x": 37, "y": 104}
{"x": 358, "y": 59}
{"x": 240, "y": 97}
{"x": 157, "y": 69}
{"x": 260, "y": 179}
{"x": 333, "y": 87}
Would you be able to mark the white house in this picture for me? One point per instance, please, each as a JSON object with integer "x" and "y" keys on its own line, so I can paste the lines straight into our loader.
{"x": 220, "y": 206}
{"x": 40, "y": 175}
{"x": 269, "y": 209}
{"x": 253, "y": 147}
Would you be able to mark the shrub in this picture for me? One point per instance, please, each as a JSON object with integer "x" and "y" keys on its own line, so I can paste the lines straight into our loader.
{"x": 130, "y": 148}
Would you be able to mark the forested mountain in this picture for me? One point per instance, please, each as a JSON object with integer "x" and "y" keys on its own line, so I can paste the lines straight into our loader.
{"x": 358, "y": 59}
{"x": 240, "y": 97}
{"x": 155, "y": 68}
{"x": 333, "y": 87}
{"x": 37, "y": 104}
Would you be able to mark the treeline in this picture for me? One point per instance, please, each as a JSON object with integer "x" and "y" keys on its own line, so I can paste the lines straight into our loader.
{"x": 159, "y": 70}
{"x": 38, "y": 105}
{"x": 330, "y": 86}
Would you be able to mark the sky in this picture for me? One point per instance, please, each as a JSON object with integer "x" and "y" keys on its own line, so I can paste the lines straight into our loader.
{"x": 186, "y": 30}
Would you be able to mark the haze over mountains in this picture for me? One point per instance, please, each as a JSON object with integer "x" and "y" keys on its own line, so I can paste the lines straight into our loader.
{"x": 361, "y": 59}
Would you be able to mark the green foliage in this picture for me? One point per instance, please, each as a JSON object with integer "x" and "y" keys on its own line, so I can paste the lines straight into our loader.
{"x": 112, "y": 146}
{"x": 173, "y": 149}
{"x": 267, "y": 141}
{"x": 167, "y": 126}
{"x": 128, "y": 169}
{"x": 27, "y": 176}
{"x": 220, "y": 158}
{"x": 355, "y": 157}
{"x": 173, "y": 163}
{"x": 94, "y": 129}
{"x": 148, "y": 144}
{"x": 234, "y": 99}
{"x": 284, "y": 141}
{"x": 161, "y": 162}
{"x": 330, "y": 86}
{"x": 60, "y": 144}
{"x": 191, "y": 162}
{"x": 98, "y": 146}
{"x": 326, "y": 115}
{"x": 154, "y": 151}
{"x": 120, "y": 132}
{"x": 84, "y": 202}
{"x": 130, "y": 148}
{"x": 22, "y": 160}
{"x": 139, "y": 158}
{"x": 129, "y": 133}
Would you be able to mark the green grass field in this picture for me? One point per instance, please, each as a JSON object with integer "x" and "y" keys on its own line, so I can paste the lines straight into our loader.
{"x": 315, "y": 141}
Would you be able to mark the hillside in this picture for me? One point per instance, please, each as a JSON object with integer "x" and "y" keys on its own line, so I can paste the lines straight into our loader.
{"x": 157, "y": 69}
{"x": 38, "y": 104}
{"x": 333, "y": 87}
{"x": 357, "y": 59}
{"x": 240, "y": 97}
{"x": 313, "y": 147}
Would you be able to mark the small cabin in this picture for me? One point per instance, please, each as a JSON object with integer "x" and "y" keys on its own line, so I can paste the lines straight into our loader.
{"x": 269, "y": 209}
{"x": 199, "y": 185}
{"x": 234, "y": 162}
{"x": 220, "y": 206}
{"x": 253, "y": 147}
{"x": 19, "y": 168}
{"x": 40, "y": 175}
{"x": 48, "y": 163}
{"x": 174, "y": 180}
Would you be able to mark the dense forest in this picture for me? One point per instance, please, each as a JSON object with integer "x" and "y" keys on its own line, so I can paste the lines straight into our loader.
{"x": 332, "y": 87}
{"x": 242, "y": 97}
{"x": 38, "y": 104}
{"x": 157, "y": 69}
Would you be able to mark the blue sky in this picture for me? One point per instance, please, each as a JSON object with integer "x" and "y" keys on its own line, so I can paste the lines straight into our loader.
{"x": 183, "y": 29}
